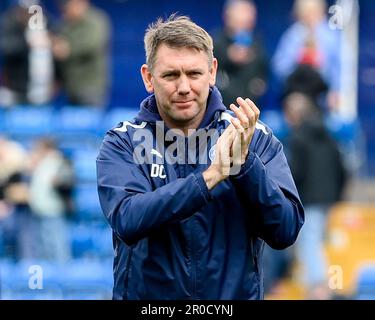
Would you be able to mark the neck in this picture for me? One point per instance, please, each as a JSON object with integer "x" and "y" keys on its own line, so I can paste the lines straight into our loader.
{"x": 185, "y": 126}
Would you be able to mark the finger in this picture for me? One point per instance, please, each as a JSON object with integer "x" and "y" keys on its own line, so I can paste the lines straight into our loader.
{"x": 224, "y": 154}
{"x": 240, "y": 115}
{"x": 247, "y": 109}
{"x": 227, "y": 132}
{"x": 254, "y": 108}
{"x": 237, "y": 124}
{"x": 236, "y": 150}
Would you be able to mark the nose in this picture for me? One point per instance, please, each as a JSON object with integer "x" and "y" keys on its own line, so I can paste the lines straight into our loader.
{"x": 183, "y": 87}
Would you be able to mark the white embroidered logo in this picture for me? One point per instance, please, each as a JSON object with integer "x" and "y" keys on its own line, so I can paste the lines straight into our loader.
{"x": 212, "y": 152}
{"x": 158, "y": 171}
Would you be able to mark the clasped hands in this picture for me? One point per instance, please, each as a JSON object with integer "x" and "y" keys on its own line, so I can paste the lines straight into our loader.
{"x": 232, "y": 146}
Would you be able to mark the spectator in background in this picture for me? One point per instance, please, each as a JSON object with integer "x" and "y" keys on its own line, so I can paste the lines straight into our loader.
{"x": 80, "y": 48}
{"x": 243, "y": 64}
{"x": 319, "y": 173}
{"x": 28, "y": 65}
{"x": 16, "y": 228}
{"x": 310, "y": 42}
{"x": 48, "y": 173}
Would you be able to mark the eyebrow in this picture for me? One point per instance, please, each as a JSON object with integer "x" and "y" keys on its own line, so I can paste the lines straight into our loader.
{"x": 171, "y": 71}
{"x": 176, "y": 71}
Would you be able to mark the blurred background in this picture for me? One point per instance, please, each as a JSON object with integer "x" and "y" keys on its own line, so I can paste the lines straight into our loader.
{"x": 69, "y": 71}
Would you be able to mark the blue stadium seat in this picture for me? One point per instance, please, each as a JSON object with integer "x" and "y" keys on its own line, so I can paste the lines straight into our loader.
{"x": 85, "y": 291}
{"x": 2, "y": 120}
{"x": 103, "y": 242}
{"x": 116, "y": 115}
{"x": 366, "y": 283}
{"x": 91, "y": 240}
{"x": 84, "y": 164}
{"x": 275, "y": 120}
{"x": 15, "y": 278}
{"x": 87, "y": 202}
{"x": 88, "y": 279}
{"x": 81, "y": 241}
{"x": 28, "y": 121}
{"x": 16, "y": 292}
{"x": 77, "y": 279}
{"x": 343, "y": 130}
{"x": 79, "y": 120}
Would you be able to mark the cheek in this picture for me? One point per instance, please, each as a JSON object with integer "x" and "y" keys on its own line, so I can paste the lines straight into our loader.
{"x": 201, "y": 86}
{"x": 203, "y": 89}
{"x": 165, "y": 90}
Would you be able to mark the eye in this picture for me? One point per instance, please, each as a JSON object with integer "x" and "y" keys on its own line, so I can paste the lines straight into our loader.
{"x": 170, "y": 75}
{"x": 195, "y": 74}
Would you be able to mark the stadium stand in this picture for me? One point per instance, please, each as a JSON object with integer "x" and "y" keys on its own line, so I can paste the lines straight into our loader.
{"x": 79, "y": 131}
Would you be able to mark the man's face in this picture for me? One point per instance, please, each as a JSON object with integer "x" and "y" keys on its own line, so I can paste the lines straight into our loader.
{"x": 180, "y": 80}
{"x": 240, "y": 16}
{"x": 74, "y": 10}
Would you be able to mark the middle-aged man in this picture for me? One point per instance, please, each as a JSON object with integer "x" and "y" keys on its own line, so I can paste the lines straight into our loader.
{"x": 190, "y": 210}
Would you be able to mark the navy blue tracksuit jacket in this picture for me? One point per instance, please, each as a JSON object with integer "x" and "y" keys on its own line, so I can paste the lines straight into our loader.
{"x": 174, "y": 239}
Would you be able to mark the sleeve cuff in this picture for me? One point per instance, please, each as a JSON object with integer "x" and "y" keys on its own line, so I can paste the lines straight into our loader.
{"x": 203, "y": 186}
{"x": 246, "y": 166}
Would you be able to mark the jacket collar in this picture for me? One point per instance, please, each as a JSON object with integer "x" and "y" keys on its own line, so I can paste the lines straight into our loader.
{"x": 149, "y": 111}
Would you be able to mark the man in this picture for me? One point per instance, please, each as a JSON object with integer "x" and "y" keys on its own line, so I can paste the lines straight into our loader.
{"x": 313, "y": 153}
{"x": 188, "y": 224}
{"x": 310, "y": 41}
{"x": 81, "y": 51}
{"x": 28, "y": 67}
{"x": 243, "y": 63}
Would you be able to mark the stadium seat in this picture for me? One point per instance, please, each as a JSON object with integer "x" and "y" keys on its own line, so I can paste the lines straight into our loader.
{"x": 87, "y": 202}
{"x": 88, "y": 279}
{"x": 27, "y": 121}
{"x": 275, "y": 120}
{"x": 78, "y": 128}
{"x": 81, "y": 240}
{"x": 350, "y": 241}
{"x": 91, "y": 240}
{"x": 79, "y": 119}
{"x": 366, "y": 283}
{"x": 116, "y": 115}
{"x": 84, "y": 291}
{"x": 2, "y": 120}
{"x": 77, "y": 279}
{"x": 16, "y": 280}
{"x": 84, "y": 164}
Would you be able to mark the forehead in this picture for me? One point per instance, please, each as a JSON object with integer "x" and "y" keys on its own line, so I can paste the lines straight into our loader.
{"x": 176, "y": 58}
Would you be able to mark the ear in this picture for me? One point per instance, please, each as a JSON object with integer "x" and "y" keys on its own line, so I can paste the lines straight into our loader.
{"x": 213, "y": 71}
{"x": 147, "y": 78}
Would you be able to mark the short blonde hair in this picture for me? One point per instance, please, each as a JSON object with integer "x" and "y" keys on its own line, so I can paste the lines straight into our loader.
{"x": 176, "y": 32}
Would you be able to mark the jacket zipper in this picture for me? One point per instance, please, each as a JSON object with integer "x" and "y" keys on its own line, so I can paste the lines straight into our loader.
{"x": 192, "y": 235}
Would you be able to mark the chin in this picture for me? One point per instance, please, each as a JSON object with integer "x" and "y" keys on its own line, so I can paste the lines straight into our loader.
{"x": 185, "y": 115}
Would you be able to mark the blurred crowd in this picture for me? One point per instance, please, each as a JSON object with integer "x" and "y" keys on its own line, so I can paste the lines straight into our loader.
{"x": 35, "y": 201}
{"x": 71, "y": 56}
{"x": 43, "y": 57}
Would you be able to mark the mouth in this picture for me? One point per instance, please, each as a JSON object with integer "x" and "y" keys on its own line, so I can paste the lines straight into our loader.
{"x": 183, "y": 104}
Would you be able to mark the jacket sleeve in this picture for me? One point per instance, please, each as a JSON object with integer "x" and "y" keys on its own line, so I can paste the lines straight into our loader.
{"x": 266, "y": 188}
{"x": 130, "y": 205}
